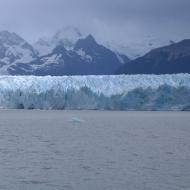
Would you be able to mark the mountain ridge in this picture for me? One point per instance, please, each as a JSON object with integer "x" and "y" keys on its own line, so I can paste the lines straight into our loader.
{"x": 169, "y": 59}
{"x": 82, "y": 55}
{"x": 85, "y": 57}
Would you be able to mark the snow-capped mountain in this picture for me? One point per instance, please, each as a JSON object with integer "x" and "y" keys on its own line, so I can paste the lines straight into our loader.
{"x": 87, "y": 57}
{"x": 68, "y": 52}
{"x": 67, "y": 36}
{"x": 13, "y": 50}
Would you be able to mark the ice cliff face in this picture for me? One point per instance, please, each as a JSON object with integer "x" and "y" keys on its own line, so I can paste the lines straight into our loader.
{"x": 124, "y": 92}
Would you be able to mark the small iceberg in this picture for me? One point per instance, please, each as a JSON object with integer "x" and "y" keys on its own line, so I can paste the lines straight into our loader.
{"x": 76, "y": 121}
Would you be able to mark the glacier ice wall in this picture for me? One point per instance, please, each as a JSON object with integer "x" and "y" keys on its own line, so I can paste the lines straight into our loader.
{"x": 123, "y": 92}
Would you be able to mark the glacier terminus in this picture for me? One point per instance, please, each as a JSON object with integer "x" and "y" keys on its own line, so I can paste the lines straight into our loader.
{"x": 122, "y": 92}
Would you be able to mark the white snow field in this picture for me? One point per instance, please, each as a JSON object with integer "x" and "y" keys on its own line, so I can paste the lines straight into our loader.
{"x": 122, "y": 92}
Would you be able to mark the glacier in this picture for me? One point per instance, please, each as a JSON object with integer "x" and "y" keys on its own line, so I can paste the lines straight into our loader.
{"x": 116, "y": 92}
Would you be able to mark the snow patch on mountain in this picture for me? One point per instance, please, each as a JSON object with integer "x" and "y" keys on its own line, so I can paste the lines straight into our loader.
{"x": 66, "y": 36}
{"x": 83, "y": 55}
{"x": 52, "y": 59}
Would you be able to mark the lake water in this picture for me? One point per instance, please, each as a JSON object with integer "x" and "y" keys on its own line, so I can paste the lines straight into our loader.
{"x": 94, "y": 150}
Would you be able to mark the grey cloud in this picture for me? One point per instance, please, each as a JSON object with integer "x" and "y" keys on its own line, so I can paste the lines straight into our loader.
{"x": 33, "y": 18}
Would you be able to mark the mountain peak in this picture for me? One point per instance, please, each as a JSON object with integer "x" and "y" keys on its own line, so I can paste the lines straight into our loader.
{"x": 14, "y": 49}
{"x": 169, "y": 59}
{"x": 90, "y": 38}
{"x": 67, "y": 36}
{"x": 86, "y": 43}
{"x": 10, "y": 38}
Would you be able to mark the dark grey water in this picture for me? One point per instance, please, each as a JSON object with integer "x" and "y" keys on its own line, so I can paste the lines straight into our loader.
{"x": 94, "y": 150}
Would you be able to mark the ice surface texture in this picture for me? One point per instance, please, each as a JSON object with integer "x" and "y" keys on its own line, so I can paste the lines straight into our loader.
{"x": 124, "y": 92}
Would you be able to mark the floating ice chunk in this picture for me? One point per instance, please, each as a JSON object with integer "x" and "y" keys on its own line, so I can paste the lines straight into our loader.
{"x": 76, "y": 120}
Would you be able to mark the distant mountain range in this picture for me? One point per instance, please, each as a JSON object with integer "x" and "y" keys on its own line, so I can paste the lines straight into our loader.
{"x": 170, "y": 59}
{"x": 69, "y": 52}
{"x": 74, "y": 55}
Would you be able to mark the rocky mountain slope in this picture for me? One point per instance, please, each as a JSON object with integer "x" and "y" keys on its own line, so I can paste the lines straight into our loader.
{"x": 170, "y": 59}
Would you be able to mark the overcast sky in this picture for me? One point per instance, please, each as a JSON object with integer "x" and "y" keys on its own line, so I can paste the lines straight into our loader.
{"x": 118, "y": 20}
